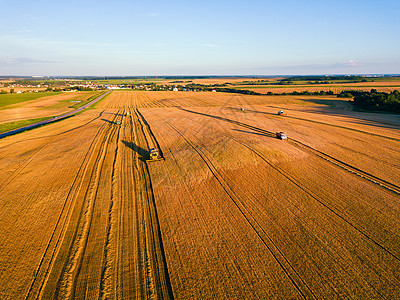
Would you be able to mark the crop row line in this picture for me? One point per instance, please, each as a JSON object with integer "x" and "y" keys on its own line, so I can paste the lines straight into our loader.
{"x": 158, "y": 281}
{"x": 351, "y": 169}
{"x": 140, "y": 267}
{"x": 64, "y": 212}
{"x": 110, "y": 227}
{"x": 21, "y": 167}
{"x": 315, "y": 197}
{"x": 278, "y": 255}
{"x": 69, "y": 230}
{"x": 332, "y": 113}
{"x": 72, "y": 269}
{"x": 324, "y": 123}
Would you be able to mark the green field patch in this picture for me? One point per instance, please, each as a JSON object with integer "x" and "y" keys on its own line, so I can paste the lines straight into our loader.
{"x": 19, "y": 124}
{"x": 10, "y": 99}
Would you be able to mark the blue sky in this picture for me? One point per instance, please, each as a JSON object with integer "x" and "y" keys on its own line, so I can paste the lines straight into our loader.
{"x": 199, "y": 37}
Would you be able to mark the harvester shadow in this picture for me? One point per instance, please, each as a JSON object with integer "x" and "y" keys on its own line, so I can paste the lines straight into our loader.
{"x": 105, "y": 120}
{"x": 256, "y": 133}
{"x": 143, "y": 153}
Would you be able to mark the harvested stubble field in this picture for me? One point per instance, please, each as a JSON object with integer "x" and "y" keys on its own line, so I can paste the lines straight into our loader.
{"x": 231, "y": 213}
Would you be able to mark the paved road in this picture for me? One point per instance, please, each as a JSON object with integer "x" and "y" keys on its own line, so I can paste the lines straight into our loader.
{"x": 18, "y": 130}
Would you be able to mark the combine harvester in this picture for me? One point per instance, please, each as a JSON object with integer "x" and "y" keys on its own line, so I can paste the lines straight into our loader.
{"x": 154, "y": 155}
{"x": 280, "y": 135}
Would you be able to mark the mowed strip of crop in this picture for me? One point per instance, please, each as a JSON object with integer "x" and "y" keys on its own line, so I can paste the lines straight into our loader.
{"x": 37, "y": 170}
{"x": 85, "y": 224}
{"x": 232, "y": 212}
{"x": 329, "y": 232}
{"x": 360, "y": 147}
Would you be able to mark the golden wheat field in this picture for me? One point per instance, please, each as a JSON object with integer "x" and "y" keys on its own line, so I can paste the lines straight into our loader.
{"x": 231, "y": 212}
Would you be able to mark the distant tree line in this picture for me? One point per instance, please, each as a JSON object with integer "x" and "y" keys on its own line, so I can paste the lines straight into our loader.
{"x": 237, "y": 91}
{"x": 320, "y": 93}
{"x": 325, "y": 78}
{"x": 181, "y": 81}
{"x": 378, "y": 101}
{"x": 76, "y": 87}
{"x": 198, "y": 86}
{"x": 374, "y": 100}
{"x": 260, "y": 82}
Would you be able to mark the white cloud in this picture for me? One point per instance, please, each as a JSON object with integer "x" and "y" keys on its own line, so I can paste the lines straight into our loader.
{"x": 12, "y": 61}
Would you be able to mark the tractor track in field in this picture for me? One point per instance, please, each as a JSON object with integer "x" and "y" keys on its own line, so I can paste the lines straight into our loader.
{"x": 157, "y": 281}
{"x": 301, "y": 286}
{"x": 322, "y": 123}
{"x": 335, "y": 114}
{"x": 224, "y": 183}
{"x": 302, "y": 187}
{"x": 138, "y": 265}
{"x": 20, "y": 168}
{"x": 345, "y": 166}
{"x": 349, "y": 168}
{"x": 307, "y": 191}
{"x": 63, "y": 278}
{"x": 108, "y": 257}
{"x": 314, "y": 196}
{"x": 65, "y": 211}
{"x": 73, "y": 267}
{"x": 58, "y": 134}
{"x": 151, "y": 136}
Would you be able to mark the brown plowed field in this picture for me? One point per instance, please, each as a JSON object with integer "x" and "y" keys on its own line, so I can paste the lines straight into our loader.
{"x": 232, "y": 212}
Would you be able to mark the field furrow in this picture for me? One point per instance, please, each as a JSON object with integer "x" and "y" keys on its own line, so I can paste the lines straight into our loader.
{"x": 280, "y": 258}
{"x": 158, "y": 282}
{"x": 346, "y": 270}
{"x": 228, "y": 212}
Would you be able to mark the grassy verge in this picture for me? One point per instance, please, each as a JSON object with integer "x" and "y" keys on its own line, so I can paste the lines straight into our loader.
{"x": 9, "y": 99}
{"x": 19, "y": 124}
